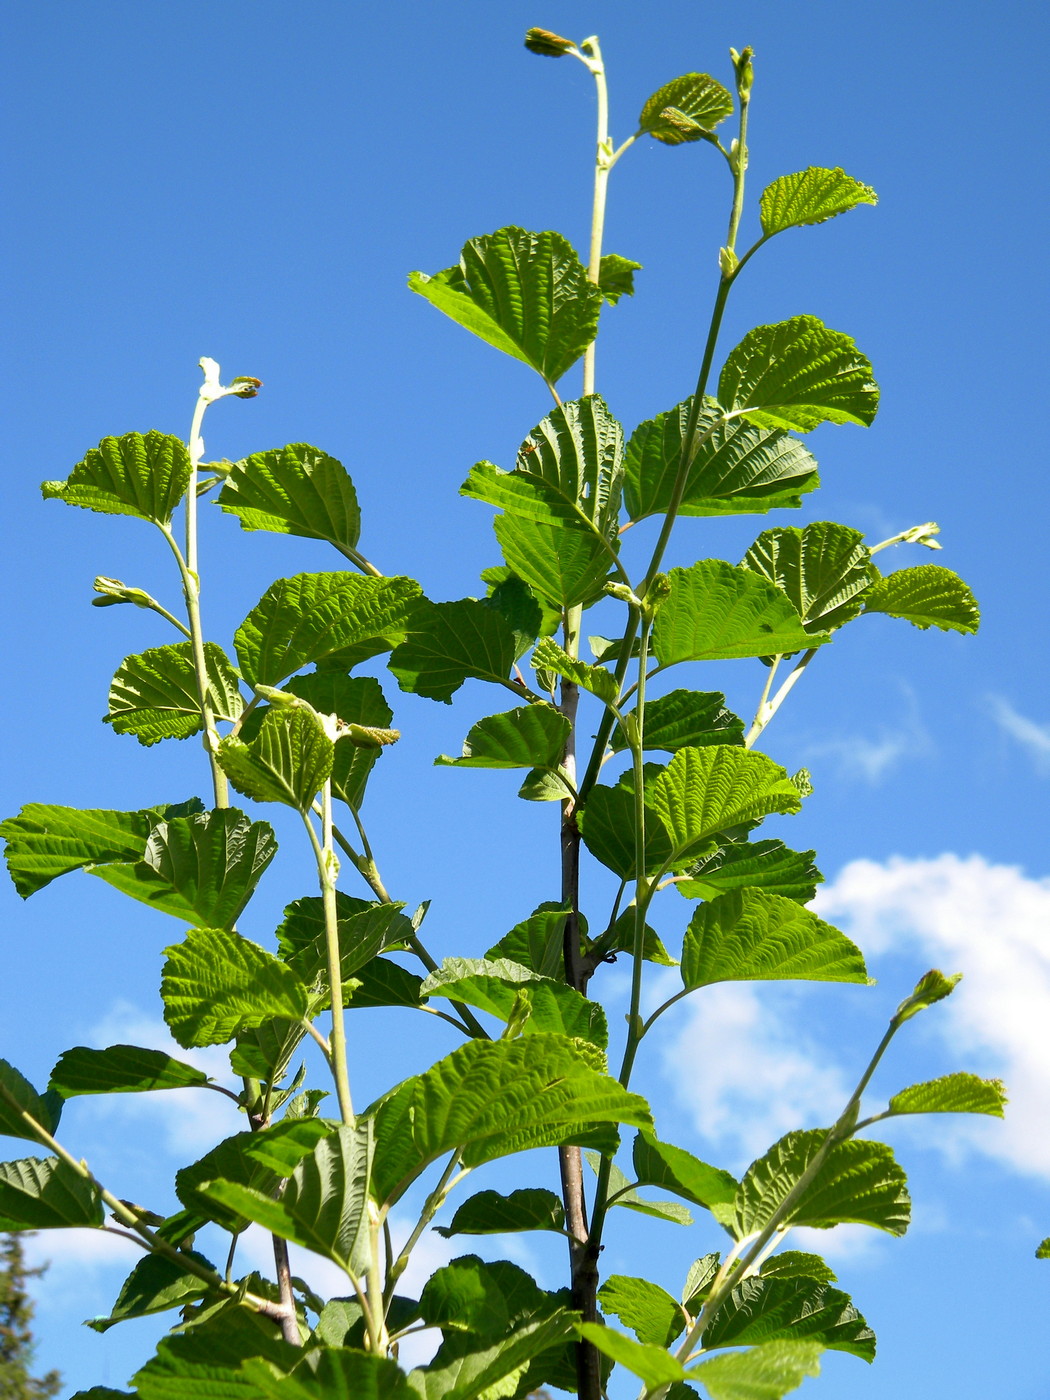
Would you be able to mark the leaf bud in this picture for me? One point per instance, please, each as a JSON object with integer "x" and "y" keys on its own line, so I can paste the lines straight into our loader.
{"x": 743, "y": 69}
{"x": 113, "y": 592}
{"x": 623, "y": 593}
{"x": 659, "y": 589}
{"x": 519, "y": 1014}
{"x": 728, "y": 262}
{"x": 542, "y": 41}
{"x": 934, "y": 987}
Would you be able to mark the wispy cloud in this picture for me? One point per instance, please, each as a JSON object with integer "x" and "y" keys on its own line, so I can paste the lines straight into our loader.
{"x": 1029, "y": 734}
{"x": 870, "y": 757}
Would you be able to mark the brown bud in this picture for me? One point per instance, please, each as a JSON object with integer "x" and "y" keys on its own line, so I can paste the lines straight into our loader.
{"x": 544, "y": 42}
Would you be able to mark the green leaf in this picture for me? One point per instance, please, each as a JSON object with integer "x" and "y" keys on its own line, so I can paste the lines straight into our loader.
{"x": 216, "y": 984}
{"x": 647, "y": 1309}
{"x": 685, "y": 109}
{"x": 749, "y": 935}
{"x": 154, "y": 1285}
{"x": 537, "y": 942}
{"x": 295, "y": 490}
{"x": 824, "y": 569}
{"x": 565, "y": 565}
{"x": 1043, "y": 1251}
{"x": 736, "y": 468}
{"x": 364, "y": 929}
{"x": 607, "y": 826}
{"x": 245, "y": 1158}
{"x": 616, "y": 277}
{"x": 859, "y": 1182}
{"x": 14, "y": 1085}
{"x": 283, "y": 1146}
{"x": 335, "y": 620}
{"x": 354, "y": 700}
{"x": 448, "y": 643}
{"x": 931, "y": 988}
{"x": 926, "y": 596}
{"x": 525, "y": 293}
{"x": 324, "y": 1202}
{"x": 492, "y": 1098}
{"x": 810, "y": 197}
{"x": 768, "y": 865}
{"x": 516, "y": 603}
{"x": 330, "y": 1373}
{"x": 44, "y": 842}
{"x": 549, "y": 656}
{"x": 154, "y": 694}
{"x": 620, "y": 939}
{"x": 493, "y": 986}
{"x": 793, "y": 1263}
{"x": 385, "y": 983}
{"x": 265, "y": 1051}
{"x": 204, "y": 1361}
{"x": 130, "y": 475}
{"x": 652, "y": 1364}
{"x": 763, "y": 1373}
{"x": 774, "y": 1309}
{"x": 44, "y": 1193}
{"x": 622, "y": 1193}
{"x": 533, "y": 736}
{"x": 954, "y": 1093}
{"x": 202, "y": 869}
{"x": 702, "y": 1274}
{"x": 486, "y": 1299}
{"x": 492, "y": 1371}
{"x": 685, "y": 719}
{"x": 798, "y": 374}
{"x": 121, "y": 1069}
{"x": 716, "y": 612}
{"x": 288, "y": 761}
{"x": 674, "y": 1169}
{"x": 489, "y": 1213}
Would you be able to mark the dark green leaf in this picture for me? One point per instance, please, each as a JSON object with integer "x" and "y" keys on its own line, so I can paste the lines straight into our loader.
{"x": 385, "y": 983}
{"x": 231, "y": 1160}
{"x": 204, "y": 1361}
{"x": 121, "y": 1069}
{"x": 44, "y": 1193}
{"x": 154, "y": 1285}
{"x": 154, "y": 694}
{"x": 607, "y": 826}
{"x": 565, "y": 565}
{"x": 144, "y": 476}
{"x": 448, "y": 643}
{"x": 763, "y": 1373}
{"x": 216, "y": 984}
{"x": 650, "y": 1312}
{"x": 954, "y": 1093}
{"x": 810, "y": 197}
{"x": 516, "y": 603}
{"x": 295, "y": 490}
{"x": 772, "y": 1309}
{"x": 824, "y": 569}
{"x": 685, "y": 109}
{"x": 525, "y": 293}
{"x": 489, "y": 1213}
{"x": 616, "y": 277}
{"x": 622, "y": 1193}
{"x": 674, "y": 1169}
{"x": 736, "y": 467}
{"x": 365, "y": 930}
{"x": 620, "y": 939}
{"x": 533, "y": 736}
{"x": 716, "y": 612}
{"x": 14, "y": 1086}
{"x": 537, "y": 942}
{"x": 769, "y": 865}
{"x": 486, "y": 1299}
{"x": 265, "y": 1051}
{"x": 288, "y": 760}
{"x": 798, "y": 374}
{"x": 685, "y": 719}
{"x": 926, "y": 596}
{"x": 493, "y": 986}
{"x": 1043, "y": 1251}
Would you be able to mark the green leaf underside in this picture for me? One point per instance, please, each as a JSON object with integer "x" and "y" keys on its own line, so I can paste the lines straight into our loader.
{"x": 449, "y": 643}
{"x": 495, "y": 1098}
{"x": 533, "y": 736}
{"x": 154, "y": 1285}
{"x": 685, "y": 109}
{"x": 334, "y": 620}
{"x": 46, "y": 1194}
{"x": 674, "y": 1169}
{"x": 565, "y": 565}
{"x": 12, "y": 1124}
{"x": 809, "y": 197}
{"x": 762, "y": 1373}
{"x": 265, "y": 1051}
{"x": 202, "y": 869}
{"x": 330, "y": 1373}
{"x": 926, "y": 596}
{"x": 154, "y": 694}
{"x": 824, "y": 569}
{"x": 737, "y": 468}
{"x": 355, "y": 700}
{"x": 954, "y": 1093}
{"x": 651, "y": 1363}
{"x": 771, "y": 1309}
{"x": 121, "y": 1069}
{"x": 616, "y": 277}
{"x": 294, "y": 490}
{"x": 487, "y": 1372}
{"x": 44, "y": 842}
{"x": 537, "y": 942}
{"x": 489, "y": 1213}
{"x": 620, "y": 939}
{"x": 141, "y": 475}
{"x": 647, "y": 1309}
{"x": 364, "y": 930}
{"x": 717, "y": 612}
{"x": 216, "y": 983}
{"x": 525, "y": 293}
{"x": 623, "y": 1194}
{"x": 798, "y": 374}
{"x": 287, "y": 761}
{"x": 769, "y": 865}
{"x": 751, "y": 935}
{"x": 493, "y": 986}
{"x": 859, "y": 1183}
{"x": 684, "y": 719}
{"x": 549, "y": 656}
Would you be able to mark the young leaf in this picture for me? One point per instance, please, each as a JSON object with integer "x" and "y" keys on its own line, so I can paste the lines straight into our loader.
{"x": 335, "y": 620}
{"x": 793, "y": 1263}
{"x": 448, "y": 643}
{"x": 685, "y": 719}
{"x": 859, "y": 1182}
{"x": 121, "y": 1069}
{"x": 1043, "y": 1251}
{"x": 533, "y": 736}
{"x": 44, "y": 842}
{"x": 265, "y": 1051}
{"x": 749, "y": 935}
{"x": 651, "y": 1364}
{"x": 538, "y": 941}
{"x": 685, "y": 109}
{"x": 354, "y": 700}
{"x": 46, "y": 1194}
{"x": 767, "y": 865}
{"x": 216, "y": 983}
{"x": 295, "y": 490}
{"x": 737, "y": 468}
{"x": 798, "y": 374}
{"x": 155, "y": 1284}
{"x": 646, "y": 1308}
{"x": 926, "y": 596}
{"x": 616, "y": 277}
{"x": 565, "y": 565}
{"x": 202, "y": 869}
{"x": 810, "y": 197}
{"x": 525, "y": 293}
{"x": 620, "y": 939}
{"x": 763, "y": 1373}
{"x": 145, "y": 476}
{"x": 954, "y": 1093}
{"x": 674, "y": 1169}
{"x": 493, "y": 986}
{"x": 549, "y": 656}
{"x": 364, "y": 929}
{"x": 932, "y": 987}
{"x": 154, "y": 694}
{"x": 774, "y": 1309}
{"x": 16, "y": 1086}
{"x": 287, "y": 761}
{"x": 824, "y": 569}
{"x": 702, "y": 1274}
{"x": 716, "y": 612}
{"x": 489, "y": 1213}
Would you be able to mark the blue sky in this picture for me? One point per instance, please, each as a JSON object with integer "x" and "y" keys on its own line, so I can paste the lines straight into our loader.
{"x": 254, "y": 184}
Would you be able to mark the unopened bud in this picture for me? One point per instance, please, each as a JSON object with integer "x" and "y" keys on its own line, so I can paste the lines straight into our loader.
{"x": 113, "y": 592}
{"x": 743, "y": 69}
{"x": 623, "y": 593}
{"x": 542, "y": 41}
{"x": 728, "y": 262}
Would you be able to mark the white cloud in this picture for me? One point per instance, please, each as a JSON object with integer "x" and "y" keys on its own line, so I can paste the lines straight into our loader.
{"x": 1034, "y": 737}
{"x": 84, "y": 1268}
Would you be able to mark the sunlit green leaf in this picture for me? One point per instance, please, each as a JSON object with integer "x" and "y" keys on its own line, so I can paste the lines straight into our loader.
{"x": 565, "y": 565}
{"x": 448, "y": 643}
{"x": 493, "y": 985}
{"x": 330, "y": 1373}
{"x": 294, "y": 490}
{"x": 793, "y": 1263}
{"x": 247, "y": 1158}
{"x": 773, "y": 1309}
{"x": 763, "y": 1373}
{"x": 768, "y": 865}
{"x": 491, "y": 1371}
{"x": 44, "y": 1193}
{"x": 204, "y": 1362}
{"x": 674, "y": 1169}
{"x": 954, "y": 1093}
{"x": 288, "y": 760}
{"x": 355, "y": 700}
{"x": 537, "y": 942}
{"x": 926, "y": 596}
{"x": 121, "y": 1069}
{"x": 716, "y": 611}
{"x": 365, "y": 929}
{"x": 647, "y": 1309}
{"x": 652, "y": 1364}
{"x": 549, "y": 656}
{"x": 533, "y": 736}
{"x": 685, "y": 719}
{"x": 616, "y": 277}
{"x": 810, "y": 197}
{"x": 685, "y": 109}
{"x": 145, "y": 476}
{"x": 154, "y": 694}
{"x": 622, "y": 1193}
{"x": 824, "y": 569}
{"x": 489, "y": 1213}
